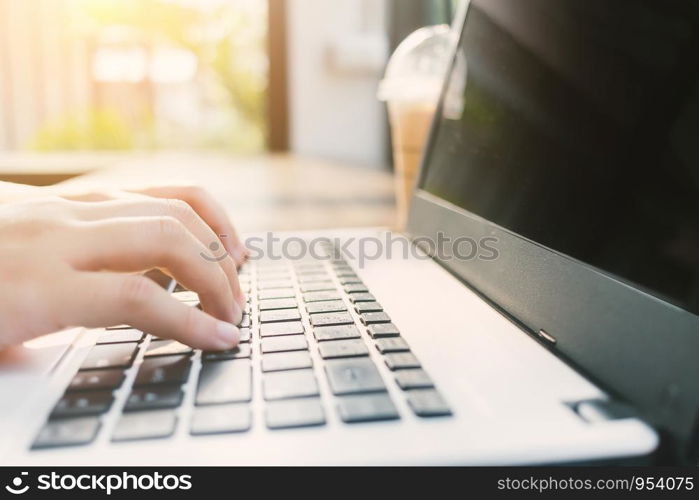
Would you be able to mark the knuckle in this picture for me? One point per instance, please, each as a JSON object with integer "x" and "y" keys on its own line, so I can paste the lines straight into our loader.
{"x": 197, "y": 196}
{"x": 51, "y": 205}
{"x": 35, "y": 220}
{"x": 169, "y": 227}
{"x": 196, "y": 192}
{"x": 181, "y": 210}
{"x": 176, "y": 206}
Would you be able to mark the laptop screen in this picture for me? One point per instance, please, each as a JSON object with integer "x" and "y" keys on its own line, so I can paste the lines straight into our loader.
{"x": 575, "y": 124}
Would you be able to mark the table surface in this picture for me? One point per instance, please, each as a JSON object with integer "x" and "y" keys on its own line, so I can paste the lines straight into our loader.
{"x": 268, "y": 192}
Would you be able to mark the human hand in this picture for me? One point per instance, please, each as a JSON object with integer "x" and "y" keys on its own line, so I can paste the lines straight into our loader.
{"x": 64, "y": 263}
{"x": 197, "y": 198}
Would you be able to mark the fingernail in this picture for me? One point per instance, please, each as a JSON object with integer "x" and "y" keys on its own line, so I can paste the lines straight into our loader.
{"x": 227, "y": 334}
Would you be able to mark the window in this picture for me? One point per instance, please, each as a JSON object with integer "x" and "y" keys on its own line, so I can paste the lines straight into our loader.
{"x": 133, "y": 74}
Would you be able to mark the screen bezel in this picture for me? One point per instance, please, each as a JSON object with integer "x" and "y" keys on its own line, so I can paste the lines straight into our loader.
{"x": 635, "y": 345}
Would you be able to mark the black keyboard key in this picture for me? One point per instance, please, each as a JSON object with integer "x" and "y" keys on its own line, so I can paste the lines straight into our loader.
{"x": 118, "y": 336}
{"x": 110, "y": 356}
{"x": 163, "y": 370}
{"x": 309, "y": 264}
{"x": 321, "y": 296}
{"x": 326, "y": 307}
{"x": 361, "y": 297}
{"x": 281, "y": 361}
{"x": 401, "y": 360}
{"x": 381, "y": 330}
{"x": 155, "y": 424}
{"x": 309, "y": 269}
{"x": 245, "y": 335}
{"x": 343, "y": 272}
{"x": 353, "y": 376}
{"x": 272, "y": 267}
{"x": 319, "y": 286}
{"x": 328, "y": 319}
{"x": 244, "y": 321}
{"x": 275, "y": 265}
{"x": 309, "y": 274}
{"x": 238, "y": 352}
{"x": 271, "y": 284}
{"x": 274, "y": 304}
{"x": 294, "y": 413}
{"x": 68, "y": 432}
{"x": 282, "y": 275}
{"x": 280, "y": 315}
{"x": 276, "y": 293}
{"x": 427, "y": 403}
{"x": 96, "y": 379}
{"x": 343, "y": 349}
{"x": 356, "y": 288}
{"x": 312, "y": 278}
{"x": 283, "y": 344}
{"x": 167, "y": 348}
{"x": 225, "y": 382}
{"x": 392, "y": 344}
{"x": 416, "y": 378}
{"x": 350, "y": 280}
{"x": 372, "y": 318}
{"x": 338, "y": 332}
{"x": 366, "y": 408}
{"x": 276, "y": 276}
{"x": 82, "y": 404}
{"x": 291, "y": 384}
{"x": 276, "y": 329}
{"x": 154, "y": 398}
{"x": 367, "y": 307}
{"x": 220, "y": 419}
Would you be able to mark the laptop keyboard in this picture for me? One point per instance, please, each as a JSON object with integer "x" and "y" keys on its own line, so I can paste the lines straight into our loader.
{"x": 343, "y": 321}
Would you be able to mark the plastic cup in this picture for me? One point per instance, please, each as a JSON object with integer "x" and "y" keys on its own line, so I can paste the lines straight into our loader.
{"x": 411, "y": 87}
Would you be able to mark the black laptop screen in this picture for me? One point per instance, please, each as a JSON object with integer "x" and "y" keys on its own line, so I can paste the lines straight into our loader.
{"x": 576, "y": 125}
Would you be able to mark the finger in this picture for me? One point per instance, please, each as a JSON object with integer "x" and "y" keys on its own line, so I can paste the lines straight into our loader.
{"x": 89, "y": 193}
{"x": 142, "y": 243}
{"x": 105, "y": 299}
{"x": 146, "y": 206}
{"x": 209, "y": 210}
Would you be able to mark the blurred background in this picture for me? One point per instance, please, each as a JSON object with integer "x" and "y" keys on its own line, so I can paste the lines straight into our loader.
{"x": 126, "y": 75}
{"x": 86, "y": 84}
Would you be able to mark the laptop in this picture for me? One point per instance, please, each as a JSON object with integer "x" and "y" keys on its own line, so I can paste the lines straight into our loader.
{"x": 539, "y": 309}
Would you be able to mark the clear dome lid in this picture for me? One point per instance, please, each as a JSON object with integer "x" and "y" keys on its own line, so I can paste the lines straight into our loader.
{"x": 416, "y": 70}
